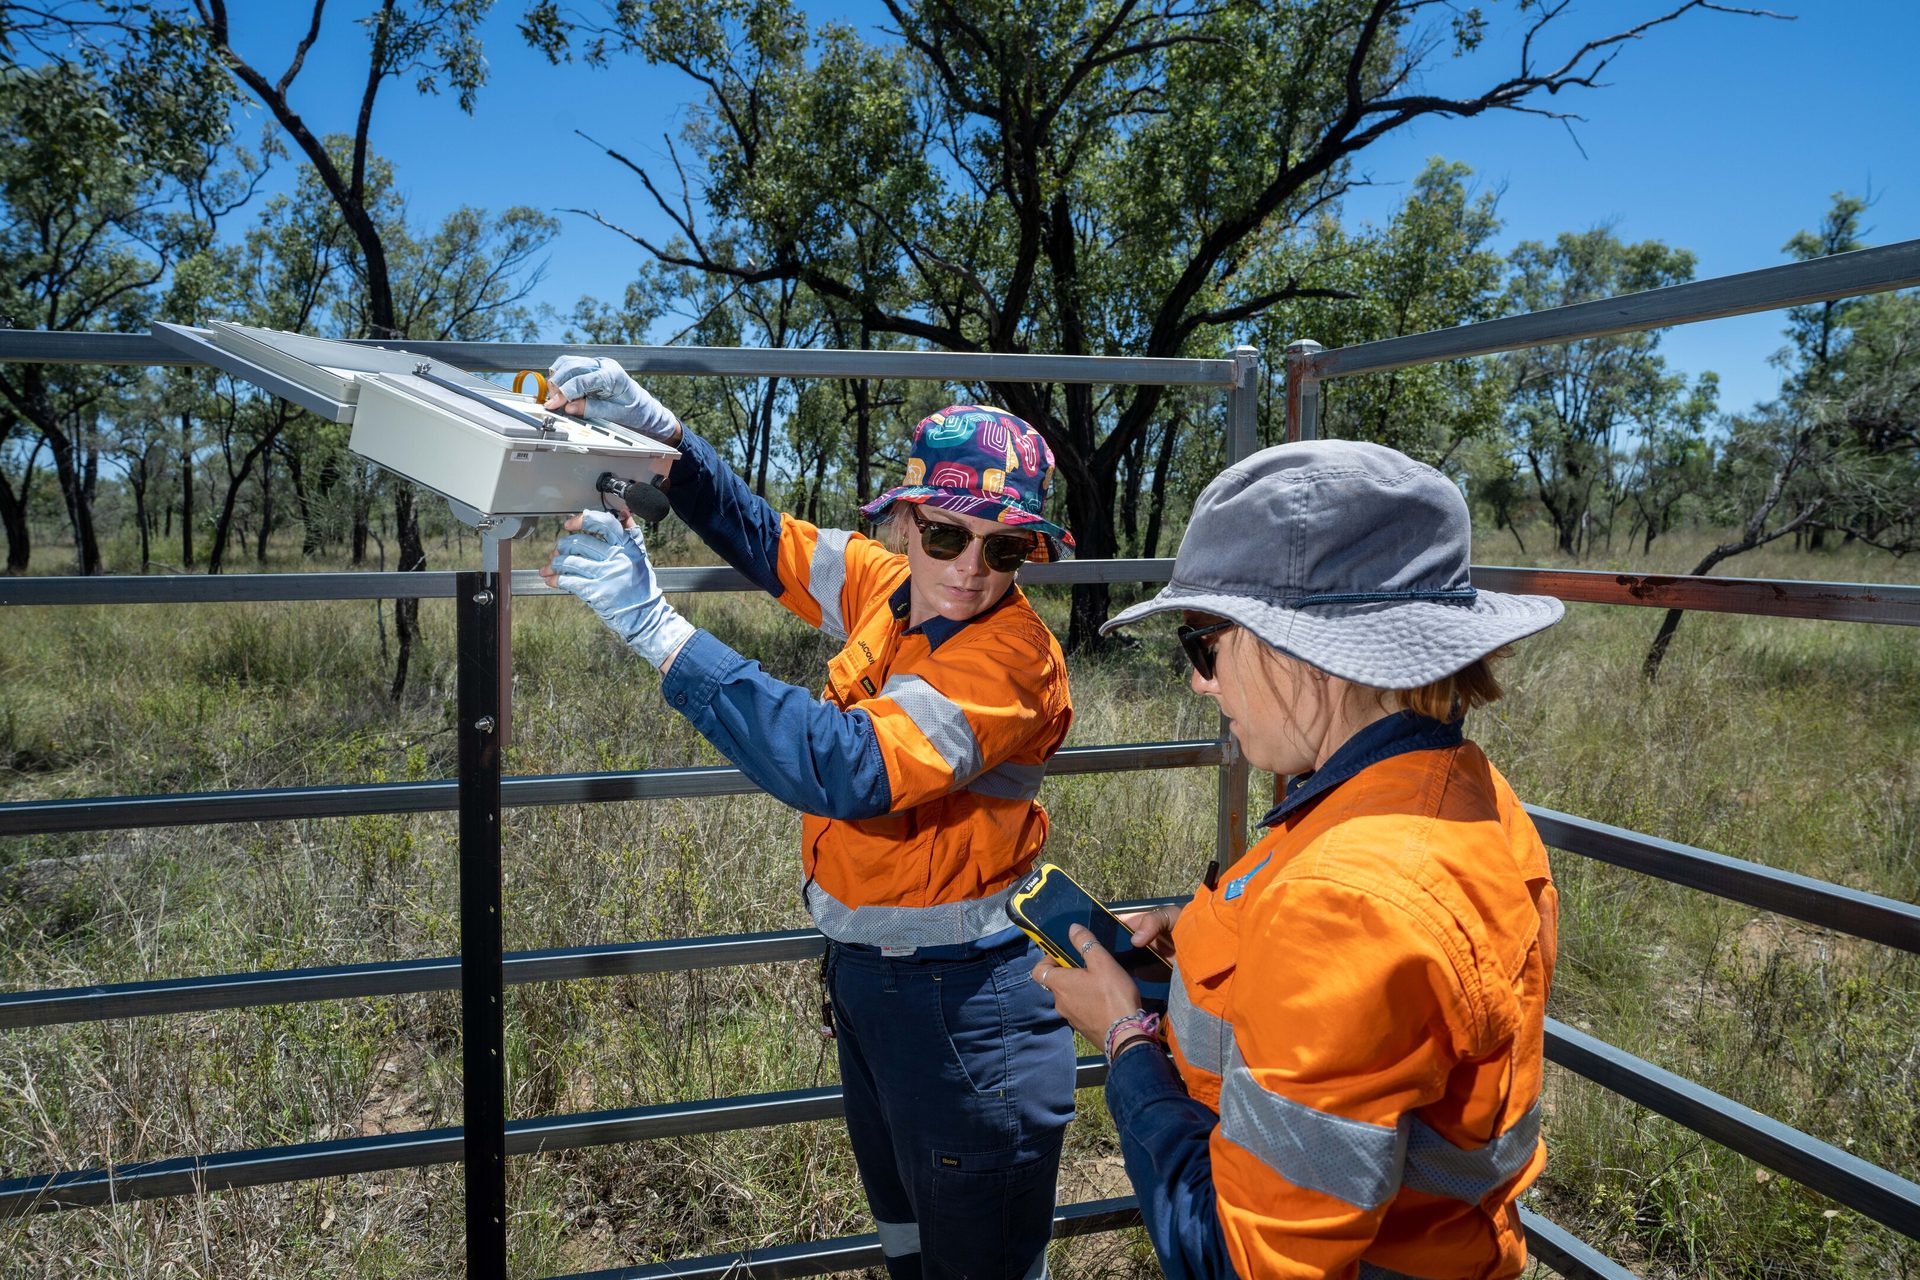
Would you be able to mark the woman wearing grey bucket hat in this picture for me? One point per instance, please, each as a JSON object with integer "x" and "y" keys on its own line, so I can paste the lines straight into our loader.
{"x": 1349, "y": 1079}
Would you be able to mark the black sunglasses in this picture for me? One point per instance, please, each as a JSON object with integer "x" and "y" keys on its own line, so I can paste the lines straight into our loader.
{"x": 1199, "y": 643}
{"x": 1003, "y": 552}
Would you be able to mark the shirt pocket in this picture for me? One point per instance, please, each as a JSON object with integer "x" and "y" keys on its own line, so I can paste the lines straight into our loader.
{"x": 845, "y": 672}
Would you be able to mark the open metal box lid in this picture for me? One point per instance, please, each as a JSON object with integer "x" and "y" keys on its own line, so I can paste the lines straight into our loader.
{"x": 479, "y": 444}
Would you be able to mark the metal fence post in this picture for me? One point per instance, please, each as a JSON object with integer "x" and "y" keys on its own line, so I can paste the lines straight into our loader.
{"x": 1303, "y": 390}
{"x": 1243, "y": 438}
{"x": 480, "y": 604}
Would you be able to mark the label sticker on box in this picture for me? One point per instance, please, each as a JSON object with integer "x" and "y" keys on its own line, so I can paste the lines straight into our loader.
{"x": 521, "y": 455}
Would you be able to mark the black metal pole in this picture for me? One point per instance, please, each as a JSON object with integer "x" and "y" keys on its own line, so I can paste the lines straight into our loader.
{"x": 480, "y": 604}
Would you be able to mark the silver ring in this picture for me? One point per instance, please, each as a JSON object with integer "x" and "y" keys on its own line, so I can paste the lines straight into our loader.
{"x": 1042, "y": 978}
{"x": 1088, "y": 945}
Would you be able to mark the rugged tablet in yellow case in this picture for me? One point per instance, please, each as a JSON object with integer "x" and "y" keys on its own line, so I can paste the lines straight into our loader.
{"x": 1047, "y": 902}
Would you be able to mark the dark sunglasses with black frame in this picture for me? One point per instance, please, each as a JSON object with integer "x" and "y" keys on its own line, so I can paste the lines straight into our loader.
{"x": 1002, "y": 552}
{"x": 1199, "y": 643}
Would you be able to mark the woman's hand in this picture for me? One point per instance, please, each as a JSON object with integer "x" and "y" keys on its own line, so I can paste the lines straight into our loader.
{"x": 1153, "y": 928}
{"x": 577, "y": 383}
{"x": 1090, "y": 998}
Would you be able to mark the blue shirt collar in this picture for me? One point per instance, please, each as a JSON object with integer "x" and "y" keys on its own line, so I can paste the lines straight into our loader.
{"x": 937, "y": 630}
{"x": 1383, "y": 739}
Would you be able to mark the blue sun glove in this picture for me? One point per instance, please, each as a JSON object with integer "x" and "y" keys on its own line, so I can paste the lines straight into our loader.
{"x": 607, "y": 566}
{"x": 615, "y": 396}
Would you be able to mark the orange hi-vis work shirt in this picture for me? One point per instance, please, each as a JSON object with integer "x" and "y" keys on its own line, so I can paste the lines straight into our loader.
{"x": 964, "y": 717}
{"x": 918, "y": 769}
{"x": 1361, "y": 1001}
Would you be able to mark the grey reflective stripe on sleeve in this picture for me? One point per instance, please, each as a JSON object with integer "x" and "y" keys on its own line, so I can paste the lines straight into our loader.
{"x": 826, "y": 576}
{"x": 943, "y": 924}
{"x": 1437, "y": 1167}
{"x": 1009, "y": 782}
{"x": 1350, "y": 1160}
{"x": 942, "y": 720}
{"x": 898, "y": 1239}
{"x": 1203, "y": 1038}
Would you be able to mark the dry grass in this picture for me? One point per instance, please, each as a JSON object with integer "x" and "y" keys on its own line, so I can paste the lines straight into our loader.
{"x": 1792, "y": 743}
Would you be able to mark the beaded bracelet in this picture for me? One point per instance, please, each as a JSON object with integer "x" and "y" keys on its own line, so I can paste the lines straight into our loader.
{"x": 1140, "y": 1023}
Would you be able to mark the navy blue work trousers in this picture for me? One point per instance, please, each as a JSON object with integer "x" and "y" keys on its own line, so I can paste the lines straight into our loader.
{"x": 959, "y": 1081}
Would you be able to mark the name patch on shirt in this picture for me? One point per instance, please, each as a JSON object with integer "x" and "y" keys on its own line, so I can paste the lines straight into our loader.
{"x": 867, "y": 684}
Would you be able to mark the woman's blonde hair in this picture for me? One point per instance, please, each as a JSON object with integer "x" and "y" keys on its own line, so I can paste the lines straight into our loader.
{"x": 1448, "y": 698}
{"x": 1451, "y": 697}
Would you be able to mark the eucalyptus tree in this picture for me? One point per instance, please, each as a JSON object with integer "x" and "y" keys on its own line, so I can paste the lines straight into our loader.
{"x": 111, "y": 172}
{"x": 1431, "y": 266}
{"x": 433, "y": 44}
{"x": 1088, "y": 177}
{"x": 1571, "y": 405}
{"x": 1839, "y": 449}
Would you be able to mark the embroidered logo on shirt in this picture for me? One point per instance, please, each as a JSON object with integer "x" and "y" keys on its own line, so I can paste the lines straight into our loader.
{"x": 1239, "y": 886}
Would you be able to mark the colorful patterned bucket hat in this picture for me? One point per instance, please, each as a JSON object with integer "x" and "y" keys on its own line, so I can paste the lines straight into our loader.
{"x": 976, "y": 460}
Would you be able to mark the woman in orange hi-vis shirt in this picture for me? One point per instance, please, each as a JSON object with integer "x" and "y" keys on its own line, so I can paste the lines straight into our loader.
{"x": 1350, "y": 1078}
{"x": 917, "y": 770}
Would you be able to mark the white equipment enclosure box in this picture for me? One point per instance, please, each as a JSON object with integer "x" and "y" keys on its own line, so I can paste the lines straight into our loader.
{"x": 475, "y": 442}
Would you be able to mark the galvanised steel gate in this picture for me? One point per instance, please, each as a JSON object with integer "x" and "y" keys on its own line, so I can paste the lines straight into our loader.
{"x": 480, "y": 793}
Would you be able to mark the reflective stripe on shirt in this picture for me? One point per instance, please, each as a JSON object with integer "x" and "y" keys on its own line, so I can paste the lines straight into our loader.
{"x": 1350, "y": 1160}
{"x": 1437, "y": 1167}
{"x": 826, "y": 575}
{"x": 943, "y": 924}
{"x": 1009, "y": 782}
{"x": 1203, "y": 1039}
{"x": 1362, "y": 1164}
{"x": 942, "y": 720}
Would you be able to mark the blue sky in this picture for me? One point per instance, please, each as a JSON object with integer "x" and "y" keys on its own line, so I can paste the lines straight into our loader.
{"x": 1720, "y": 134}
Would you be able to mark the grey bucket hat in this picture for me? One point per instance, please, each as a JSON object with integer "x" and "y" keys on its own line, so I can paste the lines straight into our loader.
{"x": 1349, "y": 556}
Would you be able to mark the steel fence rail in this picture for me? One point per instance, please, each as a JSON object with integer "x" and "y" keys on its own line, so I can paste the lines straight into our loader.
{"x": 1842, "y": 275}
{"x": 261, "y": 988}
{"x": 1571, "y": 1257}
{"x": 41, "y": 346}
{"x": 1880, "y": 1194}
{"x": 1844, "y": 910}
{"x": 307, "y": 1161}
{"x": 1832, "y": 906}
{"x": 264, "y": 588}
{"x": 279, "y": 804}
{"x": 1887, "y": 603}
{"x": 847, "y": 1253}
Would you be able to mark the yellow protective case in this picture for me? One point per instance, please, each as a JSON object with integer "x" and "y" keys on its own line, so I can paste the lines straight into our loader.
{"x": 1046, "y": 877}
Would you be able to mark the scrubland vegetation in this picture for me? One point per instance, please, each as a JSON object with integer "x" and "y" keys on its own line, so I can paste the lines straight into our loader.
{"x": 1792, "y": 743}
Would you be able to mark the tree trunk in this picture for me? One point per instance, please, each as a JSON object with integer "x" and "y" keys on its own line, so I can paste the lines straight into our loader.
{"x": 413, "y": 558}
{"x": 67, "y": 468}
{"x": 13, "y": 517}
{"x": 137, "y": 484}
{"x": 1090, "y": 518}
{"x": 1157, "y": 505}
{"x": 766, "y": 437}
{"x": 1133, "y": 463}
{"x": 223, "y": 527}
{"x": 863, "y": 428}
{"x": 266, "y": 507}
{"x": 186, "y": 491}
{"x": 362, "y": 515}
